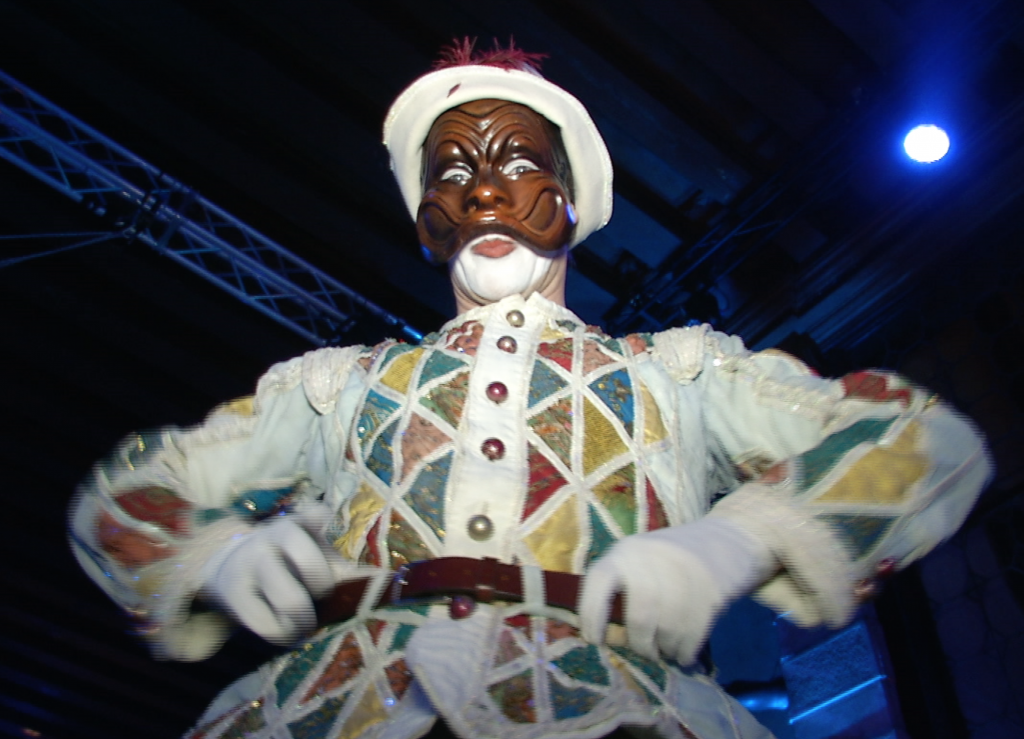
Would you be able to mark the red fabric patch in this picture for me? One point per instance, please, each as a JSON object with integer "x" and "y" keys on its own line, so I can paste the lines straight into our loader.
{"x": 465, "y": 338}
{"x": 157, "y": 506}
{"x": 399, "y": 677}
{"x": 656, "y": 518}
{"x": 872, "y": 386}
{"x": 127, "y": 546}
{"x": 374, "y": 627}
{"x": 545, "y": 481}
{"x": 347, "y": 663}
{"x": 371, "y": 553}
{"x": 520, "y": 621}
{"x": 559, "y": 352}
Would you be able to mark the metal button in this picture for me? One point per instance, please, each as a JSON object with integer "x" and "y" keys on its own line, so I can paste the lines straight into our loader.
{"x": 497, "y": 392}
{"x": 515, "y": 318}
{"x": 493, "y": 449}
{"x": 480, "y": 528}
{"x": 507, "y": 344}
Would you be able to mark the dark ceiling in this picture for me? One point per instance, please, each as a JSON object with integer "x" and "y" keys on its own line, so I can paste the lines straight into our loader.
{"x": 759, "y": 185}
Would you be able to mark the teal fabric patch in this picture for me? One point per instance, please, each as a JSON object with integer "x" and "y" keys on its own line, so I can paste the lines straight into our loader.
{"x": 426, "y": 496}
{"x": 862, "y": 533}
{"x": 571, "y": 702}
{"x": 300, "y": 663}
{"x": 544, "y": 383}
{"x": 616, "y": 392}
{"x": 612, "y": 345}
{"x": 567, "y": 325}
{"x": 381, "y": 459}
{"x": 817, "y": 462}
{"x": 376, "y": 412}
{"x": 438, "y": 364}
{"x": 657, "y": 673}
{"x": 584, "y": 664}
{"x": 259, "y": 503}
{"x": 404, "y": 632}
{"x": 317, "y": 724}
{"x": 600, "y": 538}
{"x": 206, "y": 516}
{"x": 395, "y": 351}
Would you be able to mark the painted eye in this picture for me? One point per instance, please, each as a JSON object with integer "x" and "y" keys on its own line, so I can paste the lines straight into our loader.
{"x": 456, "y": 175}
{"x": 519, "y": 166}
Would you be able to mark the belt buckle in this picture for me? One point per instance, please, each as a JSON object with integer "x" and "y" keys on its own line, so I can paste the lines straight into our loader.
{"x": 398, "y": 581}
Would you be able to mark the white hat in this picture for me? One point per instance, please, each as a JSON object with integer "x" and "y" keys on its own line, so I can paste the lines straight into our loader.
{"x": 415, "y": 110}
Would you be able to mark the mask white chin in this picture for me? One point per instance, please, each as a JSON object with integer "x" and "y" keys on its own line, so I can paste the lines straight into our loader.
{"x": 517, "y": 273}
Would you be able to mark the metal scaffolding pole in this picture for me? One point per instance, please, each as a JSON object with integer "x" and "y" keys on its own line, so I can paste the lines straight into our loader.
{"x": 73, "y": 158}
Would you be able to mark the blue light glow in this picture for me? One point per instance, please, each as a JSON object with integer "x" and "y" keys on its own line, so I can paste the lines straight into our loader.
{"x": 926, "y": 144}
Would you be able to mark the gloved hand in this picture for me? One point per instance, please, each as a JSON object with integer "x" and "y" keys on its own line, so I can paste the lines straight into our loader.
{"x": 676, "y": 582}
{"x": 269, "y": 579}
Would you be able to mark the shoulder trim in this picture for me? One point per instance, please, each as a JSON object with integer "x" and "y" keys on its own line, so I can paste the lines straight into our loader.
{"x": 681, "y": 351}
{"x": 324, "y": 374}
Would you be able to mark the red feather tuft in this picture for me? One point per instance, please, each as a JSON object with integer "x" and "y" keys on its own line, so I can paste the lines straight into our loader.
{"x": 462, "y": 53}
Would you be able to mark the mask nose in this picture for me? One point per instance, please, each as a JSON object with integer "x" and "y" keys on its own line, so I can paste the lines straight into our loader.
{"x": 486, "y": 195}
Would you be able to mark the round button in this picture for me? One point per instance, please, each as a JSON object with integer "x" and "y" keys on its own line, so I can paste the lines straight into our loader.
{"x": 461, "y": 606}
{"x": 480, "y": 528}
{"x": 497, "y": 392}
{"x": 515, "y": 318}
{"x": 493, "y": 449}
{"x": 507, "y": 344}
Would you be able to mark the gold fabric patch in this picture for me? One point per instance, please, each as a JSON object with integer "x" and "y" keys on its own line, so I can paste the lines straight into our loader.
{"x": 368, "y": 712}
{"x": 550, "y": 334}
{"x": 883, "y": 475}
{"x": 238, "y": 407}
{"x": 362, "y": 511}
{"x": 399, "y": 374}
{"x": 654, "y": 427}
{"x": 554, "y": 542}
{"x": 601, "y": 440}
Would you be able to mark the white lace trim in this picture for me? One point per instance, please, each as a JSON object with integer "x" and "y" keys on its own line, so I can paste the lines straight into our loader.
{"x": 681, "y": 351}
{"x": 324, "y": 372}
{"x": 815, "y": 403}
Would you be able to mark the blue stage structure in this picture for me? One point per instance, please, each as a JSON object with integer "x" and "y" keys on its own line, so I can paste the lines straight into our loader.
{"x": 61, "y": 151}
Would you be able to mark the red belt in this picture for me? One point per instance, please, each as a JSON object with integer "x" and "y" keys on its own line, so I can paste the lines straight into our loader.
{"x": 455, "y": 579}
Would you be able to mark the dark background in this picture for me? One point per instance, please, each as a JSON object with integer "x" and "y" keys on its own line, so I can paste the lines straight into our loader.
{"x": 759, "y": 186}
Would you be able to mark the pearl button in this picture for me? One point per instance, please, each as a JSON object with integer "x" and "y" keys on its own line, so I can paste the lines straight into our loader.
{"x": 507, "y": 344}
{"x": 515, "y": 318}
{"x": 497, "y": 392}
{"x": 480, "y": 528}
{"x": 493, "y": 449}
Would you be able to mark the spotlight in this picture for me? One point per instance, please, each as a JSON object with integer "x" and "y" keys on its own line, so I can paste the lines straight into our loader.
{"x": 926, "y": 144}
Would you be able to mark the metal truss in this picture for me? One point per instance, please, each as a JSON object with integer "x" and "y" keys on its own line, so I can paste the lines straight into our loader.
{"x": 58, "y": 149}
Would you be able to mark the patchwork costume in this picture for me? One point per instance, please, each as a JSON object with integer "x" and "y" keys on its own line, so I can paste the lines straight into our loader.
{"x": 519, "y": 433}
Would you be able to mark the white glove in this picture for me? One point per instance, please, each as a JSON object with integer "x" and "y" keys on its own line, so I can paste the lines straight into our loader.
{"x": 268, "y": 580}
{"x": 675, "y": 582}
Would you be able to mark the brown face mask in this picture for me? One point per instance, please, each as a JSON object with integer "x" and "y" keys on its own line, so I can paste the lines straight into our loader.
{"x": 494, "y": 167}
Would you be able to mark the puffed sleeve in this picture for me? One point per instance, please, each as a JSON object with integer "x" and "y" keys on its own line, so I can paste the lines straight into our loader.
{"x": 148, "y": 517}
{"x": 848, "y": 478}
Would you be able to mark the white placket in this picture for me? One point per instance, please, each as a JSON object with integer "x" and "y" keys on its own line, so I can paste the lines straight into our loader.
{"x": 487, "y": 488}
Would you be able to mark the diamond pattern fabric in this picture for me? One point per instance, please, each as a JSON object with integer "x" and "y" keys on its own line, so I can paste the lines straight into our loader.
{"x": 617, "y": 494}
{"x": 426, "y": 495}
{"x": 447, "y": 399}
{"x": 544, "y": 383}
